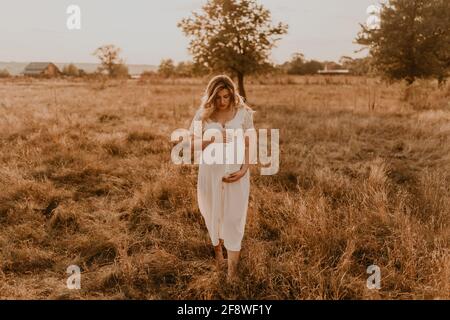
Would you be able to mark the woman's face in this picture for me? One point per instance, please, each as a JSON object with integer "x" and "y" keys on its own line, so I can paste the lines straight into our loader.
{"x": 223, "y": 99}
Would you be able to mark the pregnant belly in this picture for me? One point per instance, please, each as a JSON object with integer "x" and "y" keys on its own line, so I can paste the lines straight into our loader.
{"x": 223, "y": 157}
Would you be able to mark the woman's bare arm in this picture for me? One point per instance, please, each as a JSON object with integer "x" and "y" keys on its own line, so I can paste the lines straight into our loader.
{"x": 245, "y": 166}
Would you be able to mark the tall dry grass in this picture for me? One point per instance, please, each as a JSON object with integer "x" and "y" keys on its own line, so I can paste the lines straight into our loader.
{"x": 86, "y": 179}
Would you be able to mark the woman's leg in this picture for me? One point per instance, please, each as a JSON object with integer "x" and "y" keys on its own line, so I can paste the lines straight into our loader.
{"x": 219, "y": 253}
{"x": 233, "y": 260}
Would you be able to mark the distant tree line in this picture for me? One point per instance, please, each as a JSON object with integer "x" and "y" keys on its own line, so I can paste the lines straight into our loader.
{"x": 298, "y": 65}
{"x": 111, "y": 65}
{"x": 167, "y": 69}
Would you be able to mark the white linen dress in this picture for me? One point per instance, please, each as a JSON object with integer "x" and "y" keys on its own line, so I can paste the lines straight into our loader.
{"x": 224, "y": 205}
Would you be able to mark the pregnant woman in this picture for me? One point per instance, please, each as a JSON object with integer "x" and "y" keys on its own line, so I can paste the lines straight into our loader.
{"x": 223, "y": 188}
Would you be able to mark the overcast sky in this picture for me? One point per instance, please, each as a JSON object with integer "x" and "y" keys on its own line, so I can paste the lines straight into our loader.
{"x": 147, "y": 30}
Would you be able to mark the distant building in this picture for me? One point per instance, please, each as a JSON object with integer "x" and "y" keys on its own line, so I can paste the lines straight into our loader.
{"x": 326, "y": 71}
{"x": 41, "y": 69}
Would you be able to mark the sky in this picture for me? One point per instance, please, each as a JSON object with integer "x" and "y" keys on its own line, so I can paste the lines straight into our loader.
{"x": 147, "y": 31}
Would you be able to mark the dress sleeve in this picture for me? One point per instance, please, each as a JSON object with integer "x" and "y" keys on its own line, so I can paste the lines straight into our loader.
{"x": 197, "y": 117}
{"x": 248, "y": 119}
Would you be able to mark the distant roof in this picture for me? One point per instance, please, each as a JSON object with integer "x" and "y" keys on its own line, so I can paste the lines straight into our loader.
{"x": 36, "y": 67}
{"x": 340, "y": 71}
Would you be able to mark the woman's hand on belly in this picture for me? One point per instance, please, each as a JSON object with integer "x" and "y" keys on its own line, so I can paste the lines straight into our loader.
{"x": 235, "y": 176}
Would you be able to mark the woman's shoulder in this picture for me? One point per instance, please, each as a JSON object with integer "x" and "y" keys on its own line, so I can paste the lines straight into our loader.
{"x": 199, "y": 113}
{"x": 247, "y": 116}
{"x": 247, "y": 109}
{"x": 247, "y": 112}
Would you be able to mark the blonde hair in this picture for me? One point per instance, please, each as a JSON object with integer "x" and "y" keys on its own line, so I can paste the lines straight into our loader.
{"x": 214, "y": 86}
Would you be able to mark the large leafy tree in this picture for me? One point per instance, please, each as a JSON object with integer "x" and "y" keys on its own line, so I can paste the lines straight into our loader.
{"x": 234, "y": 36}
{"x": 412, "y": 40}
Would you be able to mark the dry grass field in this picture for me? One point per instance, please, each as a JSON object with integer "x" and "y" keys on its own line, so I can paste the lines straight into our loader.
{"x": 86, "y": 179}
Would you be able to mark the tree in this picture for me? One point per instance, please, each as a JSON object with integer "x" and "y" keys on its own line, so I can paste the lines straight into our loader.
{"x": 299, "y": 65}
{"x": 184, "y": 69}
{"x": 439, "y": 26}
{"x": 312, "y": 67}
{"x": 358, "y": 66}
{"x": 199, "y": 70}
{"x": 412, "y": 40}
{"x": 296, "y": 64}
{"x": 71, "y": 70}
{"x": 233, "y": 36}
{"x": 110, "y": 61}
{"x": 149, "y": 74}
{"x": 190, "y": 69}
{"x": 4, "y": 73}
{"x": 120, "y": 70}
{"x": 166, "y": 68}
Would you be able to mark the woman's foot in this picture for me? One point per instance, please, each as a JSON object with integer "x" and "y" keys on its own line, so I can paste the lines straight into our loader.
{"x": 233, "y": 260}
